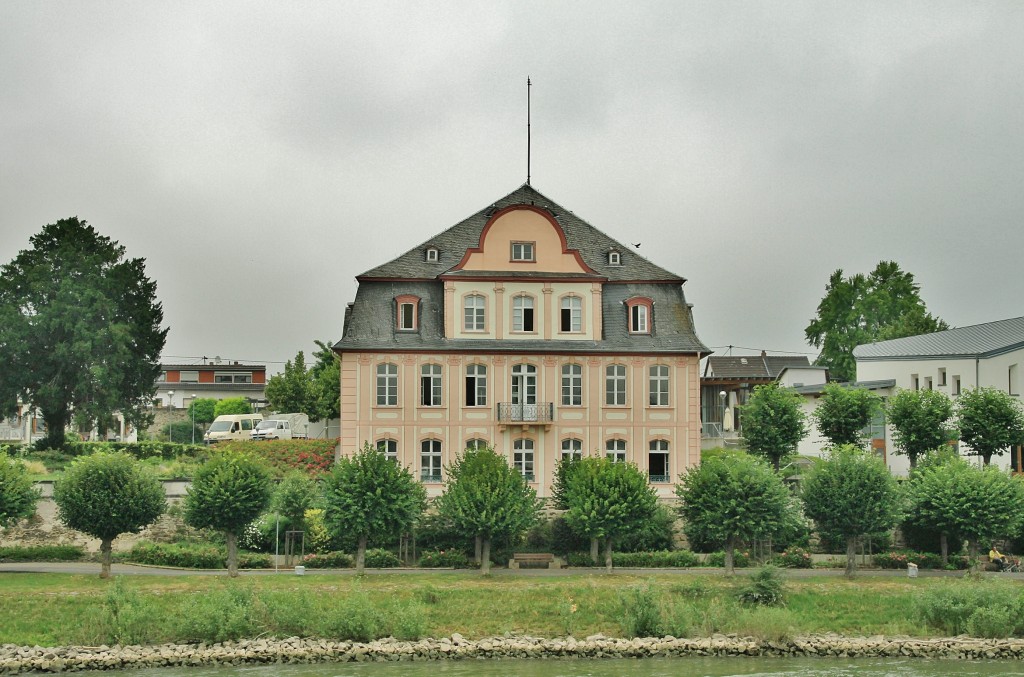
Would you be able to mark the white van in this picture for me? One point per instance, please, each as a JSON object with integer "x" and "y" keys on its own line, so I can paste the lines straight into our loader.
{"x": 282, "y": 427}
{"x": 232, "y": 427}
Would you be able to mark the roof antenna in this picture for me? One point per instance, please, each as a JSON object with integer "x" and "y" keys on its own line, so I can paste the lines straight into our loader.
{"x": 528, "y": 130}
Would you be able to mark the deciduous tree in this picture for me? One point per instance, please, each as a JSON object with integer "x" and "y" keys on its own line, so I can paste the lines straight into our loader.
{"x": 79, "y": 330}
{"x": 486, "y": 498}
{"x": 227, "y": 493}
{"x": 315, "y": 391}
{"x": 773, "y": 422}
{"x": 851, "y": 493}
{"x": 232, "y": 405}
{"x": 367, "y": 495}
{"x": 989, "y": 421}
{"x": 203, "y": 409}
{"x": 18, "y": 496}
{"x": 860, "y": 309}
{"x": 920, "y": 422}
{"x": 606, "y": 500}
{"x": 843, "y": 413}
{"x": 732, "y": 498}
{"x": 106, "y": 495}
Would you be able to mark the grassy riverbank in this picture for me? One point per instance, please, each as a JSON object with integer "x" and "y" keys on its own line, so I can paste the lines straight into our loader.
{"x": 55, "y": 609}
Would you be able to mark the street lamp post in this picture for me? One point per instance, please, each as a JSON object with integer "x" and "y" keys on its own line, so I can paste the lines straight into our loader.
{"x": 721, "y": 398}
{"x": 170, "y": 406}
{"x": 193, "y": 418}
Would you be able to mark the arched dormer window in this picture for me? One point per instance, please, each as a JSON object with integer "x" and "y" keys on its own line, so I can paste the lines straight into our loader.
{"x": 614, "y": 258}
{"x": 407, "y": 312}
{"x": 640, "y": 314}
{"x": 432, "y": 254}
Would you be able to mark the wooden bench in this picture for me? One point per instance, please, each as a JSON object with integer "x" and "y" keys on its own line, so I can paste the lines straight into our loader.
{"x": 534, "y": 560}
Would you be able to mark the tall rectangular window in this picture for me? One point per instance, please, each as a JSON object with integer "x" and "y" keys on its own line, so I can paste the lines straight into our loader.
{"x": 430, "y": 385}
{"x": 430, "y": 461}
{"x": 522, "y": 457}
{"x": 615, "y": 385}
{"x": 956, "y": 385}
{"x": 659, "y": 386}
{"x": 476, "y": 385}
{"x": 615, "y": 450}
{"x": 522, "y": 313}
{"x": 572, "y": 385}
{"x": 387, "y": 385}
{"x": 474, "y": 313}
{"x": 572, "y": 314}
{"x": 657, "y": 461}
{"x": 638, "y": 319}
{"x": 1013, "y": 382}
{"x": 406, "y": 316}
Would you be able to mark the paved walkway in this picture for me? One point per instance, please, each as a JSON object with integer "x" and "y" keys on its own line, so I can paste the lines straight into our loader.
{"x": 92, "y": 568}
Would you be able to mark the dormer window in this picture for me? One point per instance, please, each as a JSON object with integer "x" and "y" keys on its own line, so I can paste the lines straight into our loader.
{"x": 407, "y": 310}
{"x": 432, "y": 254}
{"x": 639, "y": 315}
{"x": 524, "y": 251}
{"x": 614, "y": 258}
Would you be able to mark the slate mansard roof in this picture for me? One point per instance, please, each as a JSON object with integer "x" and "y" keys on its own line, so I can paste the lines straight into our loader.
{"x": 370, "y": 319}
{"x": 979, "y": 340}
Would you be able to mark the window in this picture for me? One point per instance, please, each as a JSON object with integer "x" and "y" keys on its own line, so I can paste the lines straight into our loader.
{"x": 162, "y": 378}
{"x": 476, "y": 385}
{"x": 915, "y": 382}
{"x": 432, "y": 254}
{"x": 522, "y": 313}
{"x": 389, "y": 448}
{"x": 942, "y": 377}
{"x": 387, "y": 385}
{"x": 614, "y": 259}
{"x": 430, "y": 385}
{"x": 228, "y": 377}
{"x": 572, "y": 449}
{"x": 639, "y": 315}
{"x": 430, "y": 461}
{"x": 474, "y": 309}
{"x": 522, "y": 457}
{"x": 188, "y": 376}
{"x": 476, "y": 443}
{"x": 956, "y": 385}
{"x": 659, "y": 386}
{"x": 615, "y": 450}
{"x": 657, "y": 461}
{"x": 927, "y": 382}
{"x": 523, "y": 251}
{"x": 1013, "y": 385}
{"x": 572, "y": 314}
{"x": 572, "y": 385}
{"x": 407, "y": 309}
{"x": 615, "y": 385}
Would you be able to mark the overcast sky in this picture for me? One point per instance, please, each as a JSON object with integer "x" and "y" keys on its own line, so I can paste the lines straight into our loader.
{"x": 259, "y": 156}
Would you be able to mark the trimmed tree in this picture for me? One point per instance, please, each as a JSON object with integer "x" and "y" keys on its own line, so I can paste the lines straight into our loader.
{"x": 990, "y": 421}
{"x": 487, "y": 498}
{"x": 851, "y": 493}
{"x": 844, "y": 413}
{"x": 367, "y": 495}
{"x": 232, "y": 405}
{"x": 227, "y": 493}
{"x": 295, "y": 494}
{"x": 204, "y": 408}
{"x": 607, "y": 500}
{"x": 773, "y": 422}
{"x": 564, "y": 467}
{"x": 105, "y": 495}
{"x": 732, "y": 498}
{"x": 919, "y": 419}
{"x": 18, "y": 496}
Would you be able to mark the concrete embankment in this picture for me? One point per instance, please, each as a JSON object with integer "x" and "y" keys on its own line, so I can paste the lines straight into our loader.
{"x": 20, "y": 660}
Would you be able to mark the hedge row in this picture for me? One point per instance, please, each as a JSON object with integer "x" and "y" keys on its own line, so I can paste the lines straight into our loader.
{"x": 191, "y": 556}
{"x": 42, "y": 553}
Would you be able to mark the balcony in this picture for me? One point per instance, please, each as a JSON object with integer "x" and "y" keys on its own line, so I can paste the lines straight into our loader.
{"x": 429, "y": 478}
{"x": 526, "y": 415}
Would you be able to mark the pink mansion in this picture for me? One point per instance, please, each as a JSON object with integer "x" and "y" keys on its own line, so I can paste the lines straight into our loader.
{"x": 525, "y": 328}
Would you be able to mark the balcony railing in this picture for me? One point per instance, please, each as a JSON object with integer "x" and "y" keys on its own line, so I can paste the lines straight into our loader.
{"x": 541, "y": 412}
{"x": 427, "y": 477}
{"x": 660, "y": 479}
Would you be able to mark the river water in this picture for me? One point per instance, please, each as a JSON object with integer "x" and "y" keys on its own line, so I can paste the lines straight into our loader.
{"x": 649, "y": 667}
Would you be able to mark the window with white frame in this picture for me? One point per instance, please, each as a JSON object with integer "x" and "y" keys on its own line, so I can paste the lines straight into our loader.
{"x": 572, "y": 385}
{"x": 430, "y": 385}
{"x": 571, "y": 319}
{"x": 476, "y": 385}
{"x": 389, "y": 448}
{"x": 387, "y": 385}
{"x": 657, "y": 461}
{"x": 659, "y": 385}
{"x": 522, "y": 457}
{"x": 232, "y": 377}
{"x": 615, "y": 385}
{"x": 476, "y": 444}
{"x": 572, "y": 449}
{"x": 430, "y": 460}
{"x": 638, "y": 319}
{"x": 523, "y": 251}
{"x": 474, "y": 313}
{"x": 522, "y": 313}
{"x": 188, "y": 376}
{"x": 407, "y": 316}
{"x": 614, "y": 258}
{"x": 432, "y": 254}
{"x": 615, "y": 450}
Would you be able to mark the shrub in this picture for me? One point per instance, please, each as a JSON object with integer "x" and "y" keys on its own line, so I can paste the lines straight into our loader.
{"x": 354, "y": 618}
{"x": 992, "y": 622}
{"x": 379, "y": 558}
{"x": 132, "y": 620}
{"x": 315, "y": 457}
{"x": 898, "y": 559}
{"x": 717, "y": 559}
{"x": 639, "y": 612}
{"x": 262, "y": 534}
{"x": 219, "y": 615}
{"x": 794, "y": 558}
{"x": 950, "y": 607}
{"x": 657, "y": 533}
{"x": 192, "y": 556}
{"x": 328, "y": 560}
{"x": 765, "y": 588}
{"x": 444, "y": 558}
{"x": 41, "y": 553}
{"x": 318, "y": 538}
{"x": 662, "y": 558}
